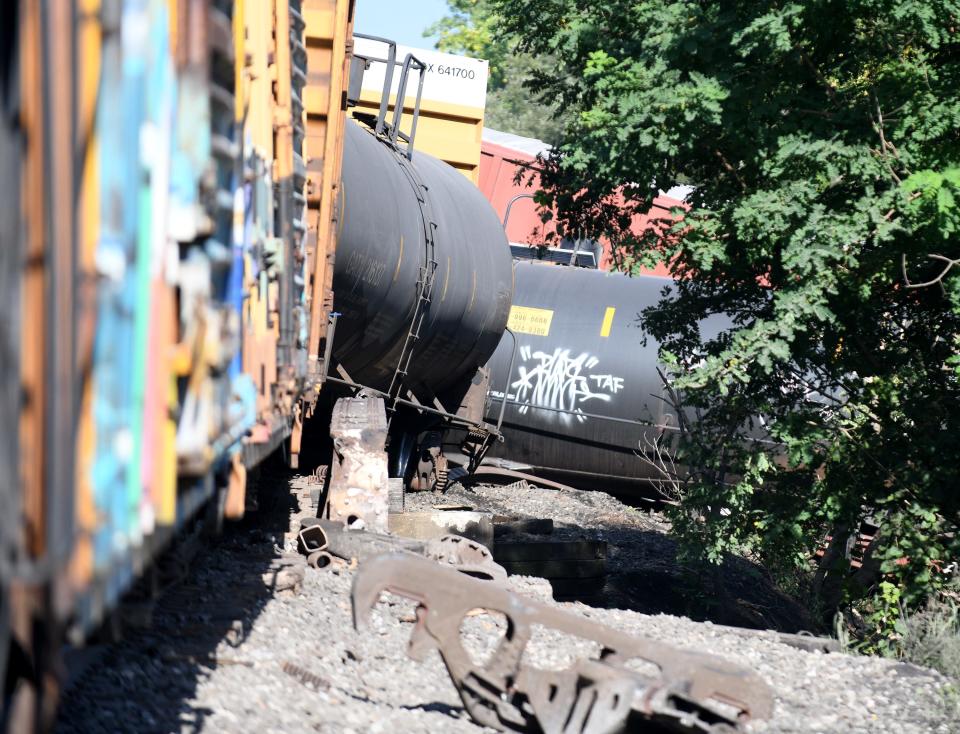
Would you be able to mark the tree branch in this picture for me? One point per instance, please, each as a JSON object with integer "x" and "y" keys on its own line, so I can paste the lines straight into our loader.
{"x": 885, "y": 145}
{"x": 950, "y": 262}
{"x": 730, "y": 169}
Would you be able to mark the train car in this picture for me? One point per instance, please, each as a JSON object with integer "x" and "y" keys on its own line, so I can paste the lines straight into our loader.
{"x": 509, "y": 174}
{"x": 574, "y": 382}
{"x": 177, "y": 303}
{"x": 451, "y": 105}
{"x": 168, "y": 250}
{"x": 575, "y": 378}
{"x": 423, "y": 292}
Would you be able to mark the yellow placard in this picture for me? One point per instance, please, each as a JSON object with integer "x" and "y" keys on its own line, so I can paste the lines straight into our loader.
{"x": 607, "y": 321}
{"x": 527, "y": 320}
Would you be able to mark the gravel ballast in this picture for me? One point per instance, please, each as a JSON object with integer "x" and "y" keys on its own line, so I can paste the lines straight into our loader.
{"x": 252, "y": 640}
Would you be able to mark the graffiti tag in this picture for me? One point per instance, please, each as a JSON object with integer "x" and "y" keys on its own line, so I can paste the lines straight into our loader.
{"x": 562, "y": 382}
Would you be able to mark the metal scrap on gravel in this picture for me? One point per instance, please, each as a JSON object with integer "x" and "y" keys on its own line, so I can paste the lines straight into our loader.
{"x": 694, "y": 692}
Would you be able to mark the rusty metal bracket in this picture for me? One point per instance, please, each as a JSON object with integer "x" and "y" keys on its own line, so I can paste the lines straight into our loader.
{"x": 467, "y": 556}
{"x": 693, "y": 692}
{"x": 319, "y": 559}
{"x": 311, "y": 538}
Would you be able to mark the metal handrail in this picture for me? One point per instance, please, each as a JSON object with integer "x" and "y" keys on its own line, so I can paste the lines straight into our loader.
{"x": 515, "y": 199}
{"x": 390, "y": 61}
{"x": 410, "y": 62}
{"x": 391, "y": 131}
{"x": 506, "y": 387}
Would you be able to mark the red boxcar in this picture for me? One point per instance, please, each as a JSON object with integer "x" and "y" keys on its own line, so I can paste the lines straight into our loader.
{"x": 503, "y": 155}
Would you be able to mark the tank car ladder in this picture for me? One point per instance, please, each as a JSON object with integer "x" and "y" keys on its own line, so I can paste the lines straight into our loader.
{"x": 424, "y": 286}
{"x": 391, "y": 135}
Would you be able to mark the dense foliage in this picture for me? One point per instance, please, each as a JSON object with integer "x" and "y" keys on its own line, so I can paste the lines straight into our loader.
{"x": 824, "y": 140}
{"x": 474, "y": 29}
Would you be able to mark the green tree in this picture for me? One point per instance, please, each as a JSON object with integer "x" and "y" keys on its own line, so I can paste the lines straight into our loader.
{"x": 473, "y": 28}
{"x": 823, "y": 139}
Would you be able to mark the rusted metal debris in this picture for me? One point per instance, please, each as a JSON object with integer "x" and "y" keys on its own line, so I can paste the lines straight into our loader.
{"x": 694, "y": 692}
{"x": 312, "y": 537}
{"x": 322, "y": 540}
{"x": 319, "y": 559}
{"x": 357, "y": 491}
{"x": 350, "y": 544}
{"x": 466, "y": 555}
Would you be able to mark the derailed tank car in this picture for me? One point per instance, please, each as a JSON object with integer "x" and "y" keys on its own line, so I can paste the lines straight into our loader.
{"x": 577, "y": 379}
{"x": 423, "y": 279}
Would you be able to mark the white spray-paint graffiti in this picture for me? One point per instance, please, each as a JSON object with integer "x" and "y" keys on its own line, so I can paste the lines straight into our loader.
{"x": 562, "y": 381}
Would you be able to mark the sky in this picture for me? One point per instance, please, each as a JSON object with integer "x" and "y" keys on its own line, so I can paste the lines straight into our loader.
{"x": 400, "y": 20}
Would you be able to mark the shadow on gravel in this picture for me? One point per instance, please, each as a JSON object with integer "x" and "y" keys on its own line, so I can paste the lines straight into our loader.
{"x": 643, "y": 575}
{"x": 210, "y": 594}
